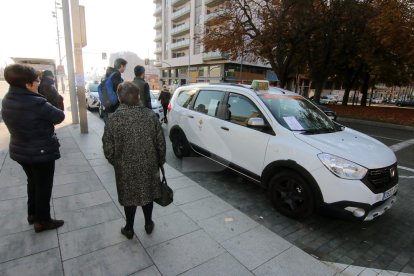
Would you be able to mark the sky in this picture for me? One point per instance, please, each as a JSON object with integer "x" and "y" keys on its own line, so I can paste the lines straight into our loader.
{"x": 28, "y": 29}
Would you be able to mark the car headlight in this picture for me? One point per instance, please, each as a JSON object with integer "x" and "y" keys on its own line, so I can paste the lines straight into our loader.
{"x": 341, "y": 167}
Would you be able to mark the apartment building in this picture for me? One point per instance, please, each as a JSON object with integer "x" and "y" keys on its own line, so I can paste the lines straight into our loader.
{"x": 182, "y": 58}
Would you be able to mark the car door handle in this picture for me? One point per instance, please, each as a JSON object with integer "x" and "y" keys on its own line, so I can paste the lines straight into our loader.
{"x": 225, "y": 128}
{"x": 190, "y": 116}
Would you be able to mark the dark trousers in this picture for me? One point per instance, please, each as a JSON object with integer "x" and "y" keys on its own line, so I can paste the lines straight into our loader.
{"x": 39, "y": 189}
{"x": 165, "y": 108}
{"x": 109, "y": 110}
{"x": 130, "y": 215}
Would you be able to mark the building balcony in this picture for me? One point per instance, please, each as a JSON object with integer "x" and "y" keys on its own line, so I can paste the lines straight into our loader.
{"x": 157, "y": 1}
{"x": 180, "y": 44}
{"x": 158, "y": 24}
{"x": 213, "y": 3}
{"x": 158, "y": 50}
{"x": 212, "y": 15}
{"x": 181, "y": 13}
{"x": 180, "y": 30}
{"x": 177, "y": 3}
{"x": 217, "y": 55}
{"x": 158, "y": 38}
{"x": 158, "y": 10}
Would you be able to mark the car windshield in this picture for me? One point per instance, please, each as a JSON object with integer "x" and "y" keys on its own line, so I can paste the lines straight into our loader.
{"x": 93, "y": 87}
{"x": 298, "y": 114}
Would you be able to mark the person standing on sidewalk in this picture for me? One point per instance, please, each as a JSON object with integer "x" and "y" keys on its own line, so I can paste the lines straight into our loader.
{"x": 144, "y": 91}
{"x": 31, "y": 120}
{"x": 48, "y": 90}
{"x": 165, "y": 98}
{"x": 133, "y": 142}
{"x": 119, "y": 68}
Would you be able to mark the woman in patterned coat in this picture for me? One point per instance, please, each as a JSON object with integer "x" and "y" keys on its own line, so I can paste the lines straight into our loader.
{"x": 133, "y": 142}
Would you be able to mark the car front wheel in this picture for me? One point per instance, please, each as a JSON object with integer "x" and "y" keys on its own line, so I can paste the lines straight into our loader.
{"x": 291, "y": 195}
{"x": 180, "y": 145}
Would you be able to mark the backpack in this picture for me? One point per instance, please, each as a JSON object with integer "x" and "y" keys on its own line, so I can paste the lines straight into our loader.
{"x": 107, "y": 95}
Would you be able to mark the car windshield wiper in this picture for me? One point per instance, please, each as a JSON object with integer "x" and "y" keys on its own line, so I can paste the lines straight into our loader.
{"x": 317, "y": 130}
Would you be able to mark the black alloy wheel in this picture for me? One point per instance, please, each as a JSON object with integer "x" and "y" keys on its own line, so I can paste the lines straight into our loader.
{"x": 180, "y": 145}
{"x": 291, "y": 195}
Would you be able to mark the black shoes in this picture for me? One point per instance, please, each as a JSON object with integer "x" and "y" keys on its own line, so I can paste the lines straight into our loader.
{"x": 129, "y": 234}
{"x": 47, "y": 225}
{"x": 30, "y": 219}
{"x": 149, "y": 227}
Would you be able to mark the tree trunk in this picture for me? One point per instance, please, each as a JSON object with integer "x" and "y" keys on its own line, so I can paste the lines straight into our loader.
{"x": 346, "y": 95}
{"x": 364, "y": 89}
{"x": 318, "y": 90}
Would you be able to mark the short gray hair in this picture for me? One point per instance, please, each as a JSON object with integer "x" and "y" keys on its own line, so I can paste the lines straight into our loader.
{"x": 128, "y": 93}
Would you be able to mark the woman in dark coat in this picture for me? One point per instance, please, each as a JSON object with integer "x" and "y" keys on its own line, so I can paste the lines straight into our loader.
{"x": 165, "y": 97}
{"x": 133, "y": 142}
{"x": 30, "y": 119}
{"x": 48, "y": 90}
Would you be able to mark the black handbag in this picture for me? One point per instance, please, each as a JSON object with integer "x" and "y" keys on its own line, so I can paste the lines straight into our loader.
{"x": 167, "y": 195}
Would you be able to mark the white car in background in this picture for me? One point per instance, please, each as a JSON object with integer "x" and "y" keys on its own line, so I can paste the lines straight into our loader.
{"x": 91, "y": 95}
{"x": 328, "y": 99}
{"x": 157, "y": 107}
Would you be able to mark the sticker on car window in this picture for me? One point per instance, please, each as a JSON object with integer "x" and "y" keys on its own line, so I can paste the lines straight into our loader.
{"x": 293, "y": 123}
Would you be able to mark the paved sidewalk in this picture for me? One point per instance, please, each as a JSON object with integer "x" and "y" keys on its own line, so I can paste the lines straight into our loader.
{"x": 199, "y": 234}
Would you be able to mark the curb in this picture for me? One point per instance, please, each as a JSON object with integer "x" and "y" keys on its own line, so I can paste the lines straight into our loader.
{"x": 372, "y": 123}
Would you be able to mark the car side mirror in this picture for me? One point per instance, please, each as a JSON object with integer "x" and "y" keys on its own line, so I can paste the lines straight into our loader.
{"x": 256, "y": 122}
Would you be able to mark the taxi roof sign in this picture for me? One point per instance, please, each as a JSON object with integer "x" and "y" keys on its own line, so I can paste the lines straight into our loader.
{"x": 260, "y": 85}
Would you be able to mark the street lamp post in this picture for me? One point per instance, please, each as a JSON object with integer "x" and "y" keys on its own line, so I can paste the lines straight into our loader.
{"x": 58, "y": 42}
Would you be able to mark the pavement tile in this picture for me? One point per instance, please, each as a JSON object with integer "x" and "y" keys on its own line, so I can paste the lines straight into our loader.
{"x": 26, "y": 243}
{"x": 76, "y": 188}
{"x": 123, "y": 258}
{"x": 85, "y": 217}
{"x": 14, "y": 222}
{"x": 166, "y": 228}
{"x": 294, "y": 262}
{"x": 255, "y": 247}
{"x": 150, "y": 271}
{"x": 368, "y": 272}
{"x": 387, "y": 273}
{"x": 12, "y": 205}
{"x": 98, "y": 162}
{"x": 205, "y": 208}
{"x": 337, "y": 266}
{"x": 170, "y": 172}
{"x": 87, "y": 240}
{"x": 82, "y": 177}
{"x": 227, "y": 225}
{"x": 180, "y": 182}
{"x": 13, "y": 192}
{"x": 43, "y": 263}
{"x": 80, "y": 201}
{"x": 189, "y": 194}
{"x": 185, "y": 252}
{"x": 353, "y": 270}
{"x": 223, "y": 265}
{"x": 105, "y": 173}
{"x": 72, "y": 169}
{"x": 14, "y": 176}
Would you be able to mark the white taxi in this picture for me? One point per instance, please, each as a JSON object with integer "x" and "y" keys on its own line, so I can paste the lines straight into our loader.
{"x": 283, "y": 142}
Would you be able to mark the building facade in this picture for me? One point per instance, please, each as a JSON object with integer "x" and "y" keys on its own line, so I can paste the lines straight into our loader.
{"x": 182, "y": 58}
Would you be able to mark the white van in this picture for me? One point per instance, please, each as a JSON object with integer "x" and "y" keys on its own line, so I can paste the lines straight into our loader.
{"x": 286, "y": 144}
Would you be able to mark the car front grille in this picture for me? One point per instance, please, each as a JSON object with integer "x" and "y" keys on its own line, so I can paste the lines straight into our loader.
{"x": 380, "y": 180}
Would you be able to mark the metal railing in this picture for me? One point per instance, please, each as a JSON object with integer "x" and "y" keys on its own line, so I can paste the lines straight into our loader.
{"x": 180, "y": 44}
{"x": 180, "y": 28}
{"x": 181, "y": 12}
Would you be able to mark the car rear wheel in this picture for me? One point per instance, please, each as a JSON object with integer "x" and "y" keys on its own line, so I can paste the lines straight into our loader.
{"x": 87, "y": 106}
{"x": 180, "y": 145}
{"x": 291, "y": 195}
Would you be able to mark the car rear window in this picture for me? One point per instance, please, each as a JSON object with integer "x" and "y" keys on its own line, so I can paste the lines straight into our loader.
{"x": 185, "y": 97}
{"x": 208, "y": 101}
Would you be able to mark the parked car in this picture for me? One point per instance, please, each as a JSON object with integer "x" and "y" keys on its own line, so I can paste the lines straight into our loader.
{"x": 328, "y": 99}
{"x": 404, "y": 102}
{"x": 284, "y": 143}
{"x": 157, "y": 107}
{"x": 92, "y": 97}
{"x": 376, "y": 100}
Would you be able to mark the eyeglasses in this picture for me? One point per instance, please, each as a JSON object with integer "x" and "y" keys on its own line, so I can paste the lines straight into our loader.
{"x": 38, "y": 81}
